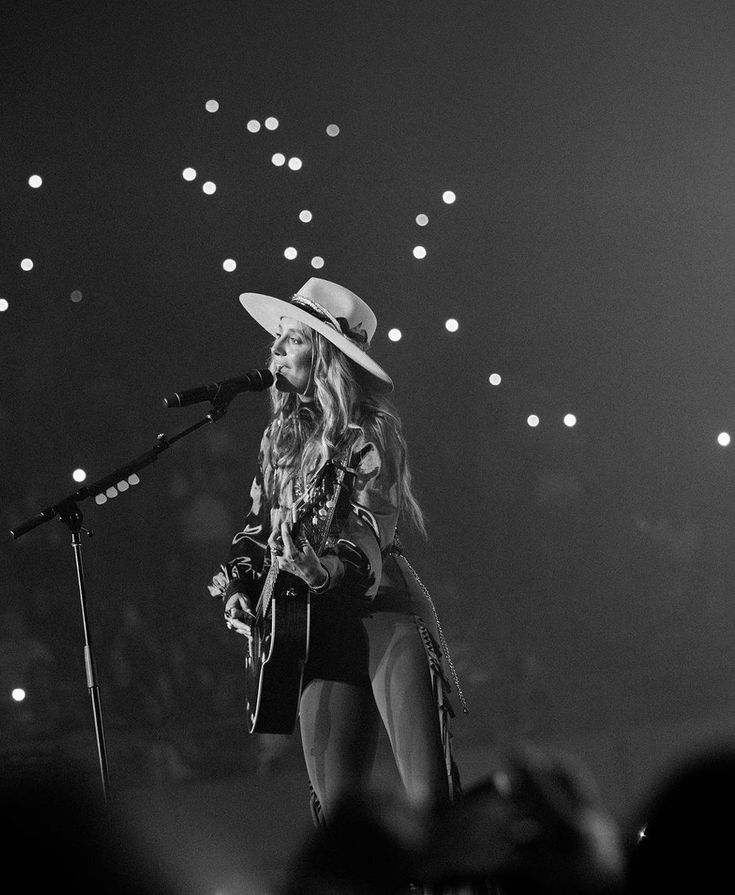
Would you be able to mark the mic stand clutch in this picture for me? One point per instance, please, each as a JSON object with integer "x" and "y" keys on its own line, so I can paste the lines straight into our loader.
{"x": 69, "y": 513}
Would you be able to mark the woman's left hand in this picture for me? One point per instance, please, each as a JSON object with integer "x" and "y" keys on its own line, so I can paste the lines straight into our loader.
{"x": 297, "y": 557}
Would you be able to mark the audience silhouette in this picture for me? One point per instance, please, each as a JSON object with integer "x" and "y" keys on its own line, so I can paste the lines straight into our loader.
{"x": 682, "y": 834}
{"x": 59, "y": 834}
{"x": 535, "y": 828}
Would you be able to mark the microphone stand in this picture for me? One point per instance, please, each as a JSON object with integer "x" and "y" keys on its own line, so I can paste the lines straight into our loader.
{"x": 69, "y": 513}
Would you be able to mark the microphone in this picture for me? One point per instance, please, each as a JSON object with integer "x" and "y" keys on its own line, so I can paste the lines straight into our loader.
{"x": 254, "y": 381}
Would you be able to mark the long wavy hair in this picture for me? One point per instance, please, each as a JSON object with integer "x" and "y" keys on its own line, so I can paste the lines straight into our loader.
{"x": 305, "y": 434}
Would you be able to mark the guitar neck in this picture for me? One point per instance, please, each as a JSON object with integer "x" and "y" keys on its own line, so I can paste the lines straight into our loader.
{"x": 298, "y": 514}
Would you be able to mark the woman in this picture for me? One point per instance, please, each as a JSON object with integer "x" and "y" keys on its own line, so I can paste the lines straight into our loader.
{"x": 372, "y": 653}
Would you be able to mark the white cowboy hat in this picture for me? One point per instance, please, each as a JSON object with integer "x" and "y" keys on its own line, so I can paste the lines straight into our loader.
{"x": 335, "y": 312}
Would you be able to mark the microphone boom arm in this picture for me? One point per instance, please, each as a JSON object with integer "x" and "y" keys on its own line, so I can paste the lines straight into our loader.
{"x": 163, "y": 442}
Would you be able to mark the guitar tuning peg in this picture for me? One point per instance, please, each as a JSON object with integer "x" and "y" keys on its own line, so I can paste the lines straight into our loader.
{"x": 330, "y": 503}
{"x": 322, "y": 512}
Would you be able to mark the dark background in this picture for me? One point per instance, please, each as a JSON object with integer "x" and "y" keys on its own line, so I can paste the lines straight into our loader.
{"x": 584, "y": 576}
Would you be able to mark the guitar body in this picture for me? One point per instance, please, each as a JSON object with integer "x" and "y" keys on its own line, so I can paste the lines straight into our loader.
{"x": 274, "y": 664}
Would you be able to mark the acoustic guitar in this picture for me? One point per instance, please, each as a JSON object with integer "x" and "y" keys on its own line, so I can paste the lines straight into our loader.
{"x": 279, "y": 646}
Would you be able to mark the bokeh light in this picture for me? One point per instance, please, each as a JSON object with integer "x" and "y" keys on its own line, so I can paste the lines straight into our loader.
{"x": 208, "y": 187}
{"x": 495, "y": 379}
{"x": 332, "y": 130}
{"x": 419, "y": 252}
{"x": 278, "y": 159}
{"x": 533, "y": 421}
{"x": 253, "y": 126}
{"x": 18, "y": 694}
{"x": 271, "y": 123}
{"x": 35, "y": 181}
{"x": 26, "y": 264}
{"x": 422, "y": 219}
{"x": 290, "y": 253}
{"x": 295, "y": 163}
{"x": 451, "y": 325}
{"x": 79, "y": 475}
{"x": 305, "y": 216}
{"x": 570, "y": 420}
{"x": 189, "y": 174}
{"x": 317, "y": 262}
{"x": 211, "y": 105}
{"x": 723, "y": 439}
{"x": 229, "y": 264}
{"x": 76, "y": 295}
{"x": 395, "y": 335}
{"x": 448, "y": 196}
{"x": 3, "y": 305}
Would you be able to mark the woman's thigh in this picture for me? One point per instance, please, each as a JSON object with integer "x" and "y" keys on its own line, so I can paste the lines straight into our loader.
{"x": 339, "y": 724}
{"x": 403, "y": 691}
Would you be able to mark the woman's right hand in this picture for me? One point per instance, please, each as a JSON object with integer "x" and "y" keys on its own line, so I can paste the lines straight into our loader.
{"x": 239, "y": 616}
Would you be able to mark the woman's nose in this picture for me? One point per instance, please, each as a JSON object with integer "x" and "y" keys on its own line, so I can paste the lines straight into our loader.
{"x": 278, "y": 346}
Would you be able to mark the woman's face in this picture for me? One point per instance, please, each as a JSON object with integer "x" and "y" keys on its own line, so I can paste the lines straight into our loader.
{"x": 291, "y": 352}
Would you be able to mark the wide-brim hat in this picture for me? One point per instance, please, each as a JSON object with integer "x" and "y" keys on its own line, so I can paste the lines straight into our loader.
{"x": 337, "y": 313}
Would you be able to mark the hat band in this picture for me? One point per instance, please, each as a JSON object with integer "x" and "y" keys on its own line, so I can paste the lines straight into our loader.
{"x": 340, "y": 324}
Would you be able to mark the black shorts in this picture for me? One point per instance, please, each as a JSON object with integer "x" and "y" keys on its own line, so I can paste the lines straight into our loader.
{"x": 338, "y": 644}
